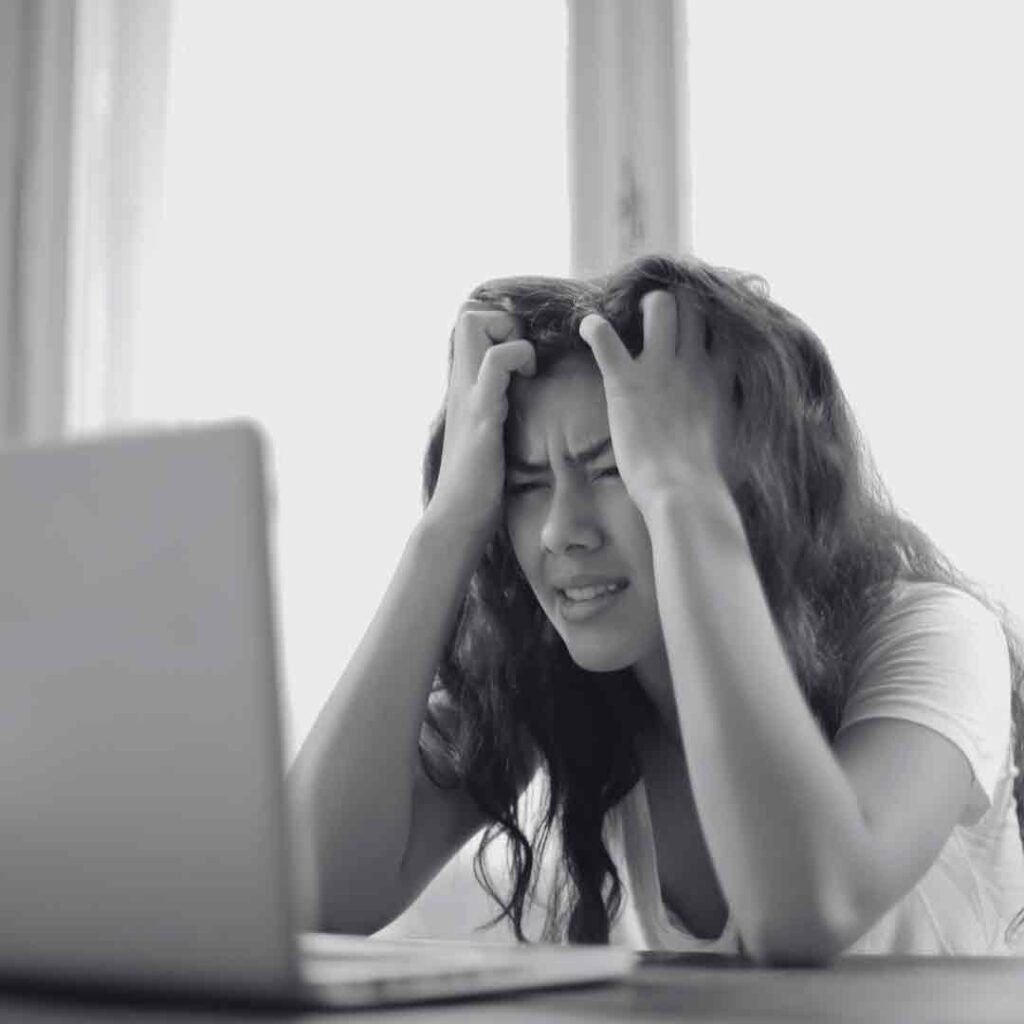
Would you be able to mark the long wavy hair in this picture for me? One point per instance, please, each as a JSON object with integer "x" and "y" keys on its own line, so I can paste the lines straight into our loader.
{"x": 827, "y": 541}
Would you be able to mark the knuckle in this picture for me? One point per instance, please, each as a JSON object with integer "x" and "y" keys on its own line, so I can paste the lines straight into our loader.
{"x": 475, "y": 306}
{"x": 482, "y": 318}
{"x": 473, "y": 328}
{"x": 496, "y": 356}
{"x": 470, "y": 319}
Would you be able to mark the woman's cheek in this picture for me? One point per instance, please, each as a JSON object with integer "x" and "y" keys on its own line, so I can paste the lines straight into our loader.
{"x": 523, "y": 527}
{"x": 514, "y": 528}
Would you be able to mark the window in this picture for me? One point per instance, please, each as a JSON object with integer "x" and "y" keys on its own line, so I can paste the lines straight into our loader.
{"x": 337, "y": 178}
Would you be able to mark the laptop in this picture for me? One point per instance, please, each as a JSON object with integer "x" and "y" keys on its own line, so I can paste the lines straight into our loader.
{"x": 146, "y": 842}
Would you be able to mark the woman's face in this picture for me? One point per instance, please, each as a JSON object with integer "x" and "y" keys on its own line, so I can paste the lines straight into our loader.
{"x": 579, "y": 539}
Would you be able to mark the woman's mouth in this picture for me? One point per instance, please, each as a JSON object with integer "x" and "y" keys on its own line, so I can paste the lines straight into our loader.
{"x": 578, "y": 603}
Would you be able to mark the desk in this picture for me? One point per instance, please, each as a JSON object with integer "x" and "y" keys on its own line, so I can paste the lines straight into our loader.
{"x": 936, "y": 991}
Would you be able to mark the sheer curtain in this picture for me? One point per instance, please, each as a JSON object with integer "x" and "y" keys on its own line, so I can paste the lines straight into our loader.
{"x": 36, "y": 48}
{"x": 119, "y": 99}
{"x": 865, "y": 158}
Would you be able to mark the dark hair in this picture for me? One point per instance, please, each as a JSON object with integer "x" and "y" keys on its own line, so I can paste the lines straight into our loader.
{"x": 827, "y": 541}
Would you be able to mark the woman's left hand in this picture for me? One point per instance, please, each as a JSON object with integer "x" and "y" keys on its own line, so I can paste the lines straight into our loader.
{"x": 669, "y": 409}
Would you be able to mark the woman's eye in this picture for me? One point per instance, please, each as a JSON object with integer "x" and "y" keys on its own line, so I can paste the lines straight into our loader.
{"x": 511, "y": 490}
{"x": 612, "y": 471}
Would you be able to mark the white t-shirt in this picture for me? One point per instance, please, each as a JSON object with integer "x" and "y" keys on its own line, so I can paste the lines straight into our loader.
{"x": 938, "y": 657}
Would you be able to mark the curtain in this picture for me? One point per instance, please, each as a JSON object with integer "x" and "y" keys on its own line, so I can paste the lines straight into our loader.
{"x": 120, "y": 82}
{"x": 82, "y": 92}
{"x": 36, "y": 70}
{"x": 81, "y": 129}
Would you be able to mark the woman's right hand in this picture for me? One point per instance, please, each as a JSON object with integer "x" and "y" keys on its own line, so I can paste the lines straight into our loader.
{"x": 488, "y": 347}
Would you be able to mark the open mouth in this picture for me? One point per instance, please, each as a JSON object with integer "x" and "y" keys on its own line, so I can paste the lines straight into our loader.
{"x": 590, "y": 593}
{"x": 577, "y": 603}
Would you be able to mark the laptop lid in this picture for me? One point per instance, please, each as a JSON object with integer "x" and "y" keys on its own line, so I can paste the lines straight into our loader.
{"x": 141, "y": 766}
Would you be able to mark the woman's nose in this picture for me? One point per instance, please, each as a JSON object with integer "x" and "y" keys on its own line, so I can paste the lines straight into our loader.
{"x": 571, "y": 521}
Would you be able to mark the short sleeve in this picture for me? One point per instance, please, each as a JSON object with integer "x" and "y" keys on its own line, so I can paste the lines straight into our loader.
{"x": 938, "y": 657}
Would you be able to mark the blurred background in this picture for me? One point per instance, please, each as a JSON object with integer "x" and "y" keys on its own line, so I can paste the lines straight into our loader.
{"x": 273, "y": 208}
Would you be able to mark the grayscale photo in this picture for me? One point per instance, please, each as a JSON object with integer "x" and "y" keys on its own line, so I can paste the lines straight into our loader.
{"x": 511, "y": 507}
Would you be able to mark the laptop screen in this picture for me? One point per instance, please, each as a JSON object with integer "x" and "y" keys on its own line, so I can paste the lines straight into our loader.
{"x": 141, "y": 771}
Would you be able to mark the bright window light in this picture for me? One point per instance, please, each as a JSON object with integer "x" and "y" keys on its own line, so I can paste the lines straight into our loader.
{"x": 338, "y": 177}
{"x": 865, "y": 158}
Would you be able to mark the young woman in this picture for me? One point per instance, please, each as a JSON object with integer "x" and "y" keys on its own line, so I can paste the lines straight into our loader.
{"x": 655, "y": 564}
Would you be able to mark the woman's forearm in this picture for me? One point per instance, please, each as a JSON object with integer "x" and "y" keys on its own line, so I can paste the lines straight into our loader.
{"x": 783, "y": 825}
{"x": 352, "y": 782}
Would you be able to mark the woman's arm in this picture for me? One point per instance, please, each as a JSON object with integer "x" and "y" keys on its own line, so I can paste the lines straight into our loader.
{"x": 811, "y": 846}
{"x": 356, "y": 779}
{"x": 378, "y": 828}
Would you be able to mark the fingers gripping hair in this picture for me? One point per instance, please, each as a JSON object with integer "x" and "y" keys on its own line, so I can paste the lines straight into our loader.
{"x": 661, "y": 323}
{"x": 500, "y": 362}
{"x": 477, "y": 330}
{"x": 609, "y": 352}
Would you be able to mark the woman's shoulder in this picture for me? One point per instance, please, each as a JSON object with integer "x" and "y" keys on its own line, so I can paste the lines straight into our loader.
{"x": 937, "y": 656}
{"x": 929, "y": 638}
{"x": 930, "y": 605}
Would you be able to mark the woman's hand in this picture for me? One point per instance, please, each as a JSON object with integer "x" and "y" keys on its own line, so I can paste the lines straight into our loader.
{"x": 668, "y": 410}
{"x": 488, "y": 349}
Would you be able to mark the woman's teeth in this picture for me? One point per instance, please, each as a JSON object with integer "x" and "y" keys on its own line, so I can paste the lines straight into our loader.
{"x": 595, "y": 590}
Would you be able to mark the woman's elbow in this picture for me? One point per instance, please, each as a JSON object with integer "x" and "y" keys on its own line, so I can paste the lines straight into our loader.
{"x": 800, "y": 940}
{"x": 781, "y": 949}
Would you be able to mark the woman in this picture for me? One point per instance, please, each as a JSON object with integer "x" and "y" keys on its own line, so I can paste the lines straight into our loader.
{"x": 656, "y": 564}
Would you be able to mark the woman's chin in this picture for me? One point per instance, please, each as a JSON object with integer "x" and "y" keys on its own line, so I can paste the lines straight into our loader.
{"x": 597, "y": 657}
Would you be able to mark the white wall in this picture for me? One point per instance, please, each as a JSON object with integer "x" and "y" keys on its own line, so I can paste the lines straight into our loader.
{"x": 866, "y": 158}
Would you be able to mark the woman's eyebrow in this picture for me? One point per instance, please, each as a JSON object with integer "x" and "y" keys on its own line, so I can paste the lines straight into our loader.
{"x": 588, "y": 454}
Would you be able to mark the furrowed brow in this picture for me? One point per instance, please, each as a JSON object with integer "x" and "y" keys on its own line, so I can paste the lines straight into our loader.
{"x": 589, "y": 454}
